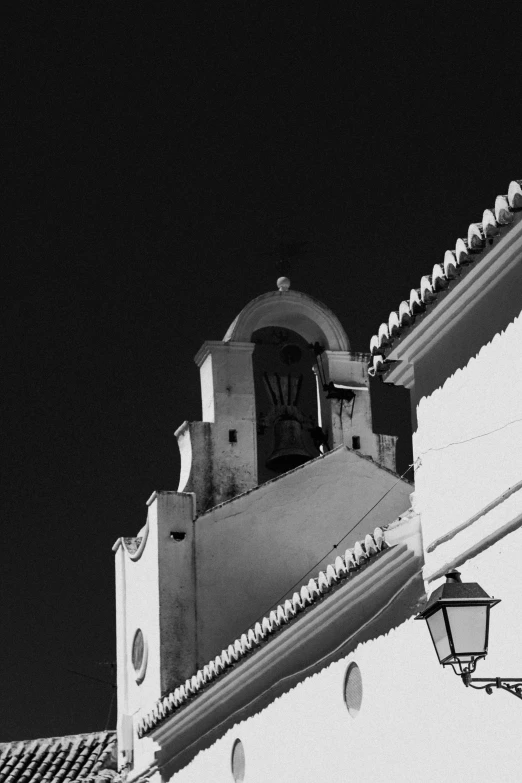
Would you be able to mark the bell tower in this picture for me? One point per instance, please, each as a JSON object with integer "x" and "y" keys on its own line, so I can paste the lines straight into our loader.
{"x": 280, "y": 389}
{"x": 269, "y": 474}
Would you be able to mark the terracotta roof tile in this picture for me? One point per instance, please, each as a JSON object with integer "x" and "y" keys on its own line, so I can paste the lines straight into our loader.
{"x": 82, "y": 757}
{"x": 339, "y": 571}
{"x": 468, "y": 250}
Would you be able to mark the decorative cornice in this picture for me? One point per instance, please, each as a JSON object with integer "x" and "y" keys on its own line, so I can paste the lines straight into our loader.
{"x": 342, "y": 571}
{"x": 377, "y": 598}
{"x": 487, "y": 539}
{"x": 211, "y": 346}
{"x": 133, "y": 546}
{"x": 465, "y": 276}
{"x": 301, "y": 312}
{"x": 483, "y": 511}
{"x": 352, "y": 560}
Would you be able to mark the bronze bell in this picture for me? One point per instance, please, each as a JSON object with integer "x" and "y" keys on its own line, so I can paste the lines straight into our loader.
{"x": 289, "y": 448}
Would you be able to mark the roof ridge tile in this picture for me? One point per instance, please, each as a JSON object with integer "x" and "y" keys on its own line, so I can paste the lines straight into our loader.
{"x": 467, "y": 251}
{"x": 282, "y": 614}
{"x": 71, "y": 758}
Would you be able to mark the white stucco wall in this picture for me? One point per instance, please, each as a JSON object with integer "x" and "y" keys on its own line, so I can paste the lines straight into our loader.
{"x": 469, "y": 437}
{"x": 156, "y": 594}
{"x": 417, "y": 720}
{"x": 137, "y": 590}
{"x": 252, "y": 551}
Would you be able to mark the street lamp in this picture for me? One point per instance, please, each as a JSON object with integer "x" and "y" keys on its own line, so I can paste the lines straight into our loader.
{"x": 457, "y": 615}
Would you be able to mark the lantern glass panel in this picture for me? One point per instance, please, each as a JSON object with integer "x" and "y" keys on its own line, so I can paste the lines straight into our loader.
{"x": 468, "y": 628}
{"x": 439, "y": 634}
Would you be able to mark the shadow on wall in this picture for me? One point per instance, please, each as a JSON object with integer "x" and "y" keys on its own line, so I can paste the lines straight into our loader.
{"x": 392, "y": 416}
{"x": 476, "y": 328}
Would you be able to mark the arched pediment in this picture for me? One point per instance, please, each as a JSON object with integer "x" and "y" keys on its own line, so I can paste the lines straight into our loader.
{"x": 291, "y": 309}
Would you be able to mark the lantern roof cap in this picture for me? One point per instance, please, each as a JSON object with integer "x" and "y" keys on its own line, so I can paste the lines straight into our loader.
{"x": 454, "y": 592}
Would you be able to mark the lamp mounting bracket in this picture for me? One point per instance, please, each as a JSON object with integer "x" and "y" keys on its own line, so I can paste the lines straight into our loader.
{"x": 511, "y": 685}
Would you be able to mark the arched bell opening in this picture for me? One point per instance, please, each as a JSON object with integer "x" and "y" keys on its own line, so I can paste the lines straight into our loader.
{"x": 291, "y": 310}
{"x": 285, "y": 399}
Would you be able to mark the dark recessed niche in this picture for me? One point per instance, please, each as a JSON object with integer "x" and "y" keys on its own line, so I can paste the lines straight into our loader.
{"x": 290, "y": 354}
{"x": 238, "y": 761}
{"x": 232, "y": 436}
{"x": 138, "y": 646}
{"x": 353, "y": 689}
{"x": 139, "y": 655}
{"x": 356, "y": 442}
{"x": 177, "y": 535}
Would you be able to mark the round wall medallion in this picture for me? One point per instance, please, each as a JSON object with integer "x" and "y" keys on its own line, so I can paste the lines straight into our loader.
{"x": 238, "y": 761}
{"x": 139, "y": 655}
{"x": 353, "y": 689}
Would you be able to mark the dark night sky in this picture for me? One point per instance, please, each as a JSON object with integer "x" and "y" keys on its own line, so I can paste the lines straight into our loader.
{"x": 152, "y": 159}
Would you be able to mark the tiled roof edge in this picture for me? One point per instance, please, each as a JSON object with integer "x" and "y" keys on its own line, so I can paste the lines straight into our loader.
{"x": 61, "y": 737}
{"x": 467, "y": 251}
{"x": 352, "y": 560}
{"x": 87, "y": 757}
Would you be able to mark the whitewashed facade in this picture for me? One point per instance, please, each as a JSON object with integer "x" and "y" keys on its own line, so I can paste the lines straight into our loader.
{"x": 457, "y": 345}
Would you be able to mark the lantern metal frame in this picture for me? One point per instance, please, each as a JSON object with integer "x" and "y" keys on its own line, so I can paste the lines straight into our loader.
{"x": 453, "y": 594}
